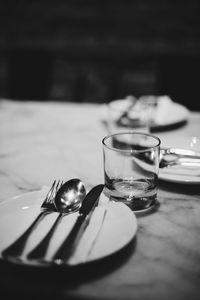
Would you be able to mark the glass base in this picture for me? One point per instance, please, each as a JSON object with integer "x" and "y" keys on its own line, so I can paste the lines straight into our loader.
{"x": 139, "y": 206}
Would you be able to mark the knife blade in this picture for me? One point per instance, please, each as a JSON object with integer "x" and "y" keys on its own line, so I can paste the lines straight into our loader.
{"x": 69, "y": 245}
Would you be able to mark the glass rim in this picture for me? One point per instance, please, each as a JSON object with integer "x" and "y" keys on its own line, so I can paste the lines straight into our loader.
{"x": 131, "y": 150}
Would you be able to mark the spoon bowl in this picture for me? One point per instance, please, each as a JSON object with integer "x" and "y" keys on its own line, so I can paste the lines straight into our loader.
{"x": 68, "y": 199}
{"x": 70, "y": 196}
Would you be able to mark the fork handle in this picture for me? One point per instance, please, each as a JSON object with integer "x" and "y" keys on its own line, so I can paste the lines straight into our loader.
{"x": 40, "y": 250}
{"x": 17, "y": 247}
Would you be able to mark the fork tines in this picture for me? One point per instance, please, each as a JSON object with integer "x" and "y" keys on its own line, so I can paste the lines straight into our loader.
{"x": 51, "y": 194}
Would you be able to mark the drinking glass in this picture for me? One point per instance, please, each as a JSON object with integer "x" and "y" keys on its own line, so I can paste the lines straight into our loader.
{"x": 128, "y": 114}
{"x": 131, "y": 166}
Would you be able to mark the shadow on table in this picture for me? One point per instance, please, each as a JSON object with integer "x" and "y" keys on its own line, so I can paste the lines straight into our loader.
{"x": 188, "y": 189}
{"x": 55, "y": 282}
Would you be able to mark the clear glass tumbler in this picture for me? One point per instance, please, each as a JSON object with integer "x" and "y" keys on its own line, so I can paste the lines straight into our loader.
{"x": 131, "y": 166}
{"x": 128, "y": 114}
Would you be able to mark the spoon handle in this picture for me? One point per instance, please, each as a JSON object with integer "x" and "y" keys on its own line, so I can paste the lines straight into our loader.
{"x": 40, "y": 250}
{"x": 71, "y": 241}
{"x": 85, "y": 212}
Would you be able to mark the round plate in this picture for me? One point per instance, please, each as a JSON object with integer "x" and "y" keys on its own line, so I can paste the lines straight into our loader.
{"x": 173, "y": 116}
{"x": 187, "y": 173}
{"x": 112, "y": 219}
{"x": 177, "y": 116}
{"x": 179, "y": 174}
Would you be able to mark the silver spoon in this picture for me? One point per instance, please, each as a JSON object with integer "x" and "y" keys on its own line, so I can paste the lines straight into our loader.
{"x": 173, "y": 159}
{"x": 68, "y": 199}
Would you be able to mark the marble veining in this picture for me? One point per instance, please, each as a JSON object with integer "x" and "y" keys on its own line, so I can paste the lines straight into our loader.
{"x": 44, "y": 141}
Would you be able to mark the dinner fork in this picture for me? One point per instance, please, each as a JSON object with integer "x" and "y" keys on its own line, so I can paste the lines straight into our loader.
{"x": 17, "y": 247}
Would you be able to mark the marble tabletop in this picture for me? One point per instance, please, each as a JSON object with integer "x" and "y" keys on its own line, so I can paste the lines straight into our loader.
{"x": 41, "y": 141}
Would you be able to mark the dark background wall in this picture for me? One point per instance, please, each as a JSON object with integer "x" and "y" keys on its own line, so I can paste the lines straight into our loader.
{"x": 99, "y": 50}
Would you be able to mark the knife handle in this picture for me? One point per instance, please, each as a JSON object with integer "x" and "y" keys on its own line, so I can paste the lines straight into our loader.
{"x": 69, "y": 244}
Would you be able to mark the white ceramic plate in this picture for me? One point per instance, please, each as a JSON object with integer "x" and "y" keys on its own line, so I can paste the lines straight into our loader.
{"x": 169, "y": 115}
{"x": 186, "y": 174}
{"x": 119, "y": 228}
{"x": 179, "y": 174}
{"x": 176, "y": 116}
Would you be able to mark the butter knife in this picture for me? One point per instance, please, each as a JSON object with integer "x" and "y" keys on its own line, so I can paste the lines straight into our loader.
{"x": 69, "y": 245}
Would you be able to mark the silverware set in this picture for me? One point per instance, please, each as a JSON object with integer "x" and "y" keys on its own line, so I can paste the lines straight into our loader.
{"x": 63, "y": 198}
{"x": 177, "y": 156}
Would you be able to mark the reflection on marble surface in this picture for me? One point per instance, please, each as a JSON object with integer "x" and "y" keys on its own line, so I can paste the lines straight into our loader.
{"x": 44, "y": 141}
